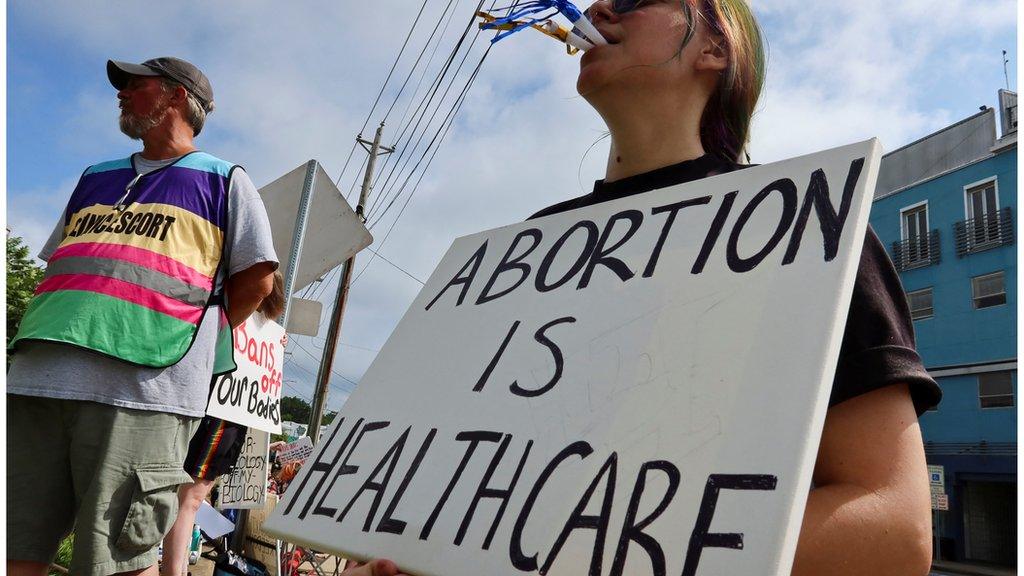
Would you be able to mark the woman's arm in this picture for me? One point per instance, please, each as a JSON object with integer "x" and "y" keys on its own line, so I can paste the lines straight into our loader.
{"x": 870, "y": 510}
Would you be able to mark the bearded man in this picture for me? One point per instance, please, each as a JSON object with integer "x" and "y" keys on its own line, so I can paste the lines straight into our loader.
{"x": 153, "y": 255}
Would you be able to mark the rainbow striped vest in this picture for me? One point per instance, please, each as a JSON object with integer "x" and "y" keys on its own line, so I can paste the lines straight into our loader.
{"x": 135, "y": 272}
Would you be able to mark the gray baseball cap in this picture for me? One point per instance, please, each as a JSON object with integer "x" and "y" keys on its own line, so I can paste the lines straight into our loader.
{"x": 176, "y": 69}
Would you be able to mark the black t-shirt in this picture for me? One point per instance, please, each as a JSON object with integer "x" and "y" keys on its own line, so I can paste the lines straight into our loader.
{"x": 878, "y": 342}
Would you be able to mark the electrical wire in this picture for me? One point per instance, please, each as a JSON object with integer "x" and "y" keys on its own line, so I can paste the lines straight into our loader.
{"x": 402, "y": 124}
{"x": 426, "y": 104}
{"x": 393, "y": 65}
{"x": 416, "y": 63}
{"x": 416, "y": 186}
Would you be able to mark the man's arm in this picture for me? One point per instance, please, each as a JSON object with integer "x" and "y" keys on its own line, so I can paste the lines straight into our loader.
{"x": 869, "y": 512}
{"x": 246, "y": 289}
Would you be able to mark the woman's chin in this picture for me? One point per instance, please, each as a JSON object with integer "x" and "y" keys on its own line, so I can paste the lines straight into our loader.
{"x": 592, "y": 77}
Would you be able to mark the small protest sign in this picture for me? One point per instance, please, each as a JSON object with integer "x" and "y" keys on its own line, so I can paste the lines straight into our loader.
{"x": 634, "y": 387}
{"x": 246, "y": 485}
{"x": 251, "y": 395}
{"x": 298, "y": 450}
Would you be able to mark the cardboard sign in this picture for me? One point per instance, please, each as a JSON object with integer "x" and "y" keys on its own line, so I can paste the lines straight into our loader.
{"x": 246, "y": 485}
{"x": 212, "y": 523}
{"x": 635, "y": 387}
{"x": 251, "y": 395}
{"x": 298, "y": 450}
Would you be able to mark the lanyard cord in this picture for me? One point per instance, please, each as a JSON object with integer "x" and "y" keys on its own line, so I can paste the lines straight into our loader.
{"x": 119, "y": 206}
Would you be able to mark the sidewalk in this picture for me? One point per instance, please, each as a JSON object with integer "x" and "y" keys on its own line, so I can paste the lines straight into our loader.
{"x": 948, "y": 567}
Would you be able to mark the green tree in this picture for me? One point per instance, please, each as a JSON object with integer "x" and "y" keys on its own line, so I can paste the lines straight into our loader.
{"x": 294, "y": 409}
{"x": 23, "y": 275}
{"x": 329, "y": 417}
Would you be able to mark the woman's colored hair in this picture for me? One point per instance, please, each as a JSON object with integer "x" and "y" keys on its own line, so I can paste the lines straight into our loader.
{"x": 273, "y": 305}
{"x": 725, "y": 124}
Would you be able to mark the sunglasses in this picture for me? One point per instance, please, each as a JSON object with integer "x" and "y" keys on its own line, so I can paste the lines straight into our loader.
{"x": 623, "y": 6}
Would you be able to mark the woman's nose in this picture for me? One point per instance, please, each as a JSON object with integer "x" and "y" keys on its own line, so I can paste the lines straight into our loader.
{"x": 601, "y": 11}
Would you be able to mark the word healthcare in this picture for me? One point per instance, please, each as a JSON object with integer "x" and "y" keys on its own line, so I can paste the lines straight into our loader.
{"x": 634, "y": 387}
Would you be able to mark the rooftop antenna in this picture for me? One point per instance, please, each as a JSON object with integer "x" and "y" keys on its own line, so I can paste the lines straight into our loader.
{"x": 1005, "y": 73}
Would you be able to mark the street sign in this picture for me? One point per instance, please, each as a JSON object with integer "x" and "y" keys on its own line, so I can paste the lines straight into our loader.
{"x": 646, "y": 377}
{"x": 333, "y": 232}
{"x": 305, "y": 316}
{"x": 940, "y": 502}
{"x": 936, "y": 475}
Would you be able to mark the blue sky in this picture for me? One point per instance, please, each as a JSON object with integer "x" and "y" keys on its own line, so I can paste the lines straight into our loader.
{"x": 296, "y": 81}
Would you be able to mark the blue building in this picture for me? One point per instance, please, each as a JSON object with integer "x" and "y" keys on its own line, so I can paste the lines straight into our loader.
{"x": 945, "y": 207}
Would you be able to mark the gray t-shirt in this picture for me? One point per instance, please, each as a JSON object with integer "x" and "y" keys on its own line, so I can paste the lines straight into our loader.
{"x": 59, "y": 371}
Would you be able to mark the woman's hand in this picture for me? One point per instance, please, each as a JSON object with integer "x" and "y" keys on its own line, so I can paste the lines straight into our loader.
{"x": 379, "y": 567}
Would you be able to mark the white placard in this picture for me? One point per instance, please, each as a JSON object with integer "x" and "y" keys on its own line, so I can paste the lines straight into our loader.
{"x": 213, "y": 523}
{"x": 298, "y": 450}
{"x": 246, "y": 485}
{"x": 251, "y": 395}
{"x": 634, "y": 387}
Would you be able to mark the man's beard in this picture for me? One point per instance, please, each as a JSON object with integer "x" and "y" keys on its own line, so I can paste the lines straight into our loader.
{"x": 135, "y": 127}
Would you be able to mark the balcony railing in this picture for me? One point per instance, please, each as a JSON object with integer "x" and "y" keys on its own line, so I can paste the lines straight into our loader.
{"x": 983, "y": 232}
{"x": 981, "y": 448}
{"x": 917, "y": 252}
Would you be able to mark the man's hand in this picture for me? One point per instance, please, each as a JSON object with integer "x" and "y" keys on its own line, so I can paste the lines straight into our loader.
{"x": 246, "y": 289}
{"x": 377, "y": 567}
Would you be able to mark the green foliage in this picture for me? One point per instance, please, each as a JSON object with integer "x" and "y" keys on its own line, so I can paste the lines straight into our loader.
{"x": 294, "y": 409}
{"x": 329, "y": 417}
{"x": 63, "y": 559}
{"x": 22, "y": 278}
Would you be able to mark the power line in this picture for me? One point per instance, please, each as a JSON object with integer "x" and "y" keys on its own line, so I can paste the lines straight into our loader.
{"x": 397, "y": 58}
{"x": 405, "y": 113}
{"x": 411, "y": 70}
{"x": 382, "y": 88}
{"x": 426, "y": 104}
{"x": 381, "y": 256}
{"x": 402, "y": 124}
{"x": 450, "y": 119}
{"x": 310, "y": 354}
{"x": 334, "y": 386}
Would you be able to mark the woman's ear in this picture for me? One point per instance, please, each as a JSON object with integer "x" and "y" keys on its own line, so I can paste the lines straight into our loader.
{"x": 713, "y": 55}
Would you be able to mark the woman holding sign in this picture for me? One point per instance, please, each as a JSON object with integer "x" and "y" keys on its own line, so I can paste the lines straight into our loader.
{"x": 677, "y": 84}
{"x": 213, "y": 451}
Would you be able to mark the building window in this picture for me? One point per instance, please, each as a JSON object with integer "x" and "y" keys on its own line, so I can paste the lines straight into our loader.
{"x": 915, "y": 235}
{"x": 983, "y": 213}
{"x": 921, "y": 304}
{"x": 995, "y": 390}
{"x": 989, "y": 290}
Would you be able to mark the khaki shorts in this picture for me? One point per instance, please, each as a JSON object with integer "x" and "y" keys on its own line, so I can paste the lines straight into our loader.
{"x": 109, "y": 474}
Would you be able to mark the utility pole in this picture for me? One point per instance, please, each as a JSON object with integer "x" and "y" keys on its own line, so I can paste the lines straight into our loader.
{"x": 323, "y": 378}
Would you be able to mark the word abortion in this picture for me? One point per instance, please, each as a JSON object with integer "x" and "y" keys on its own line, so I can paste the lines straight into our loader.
{"x": 598, "y": 248}
{"x": 373, "y": 487}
